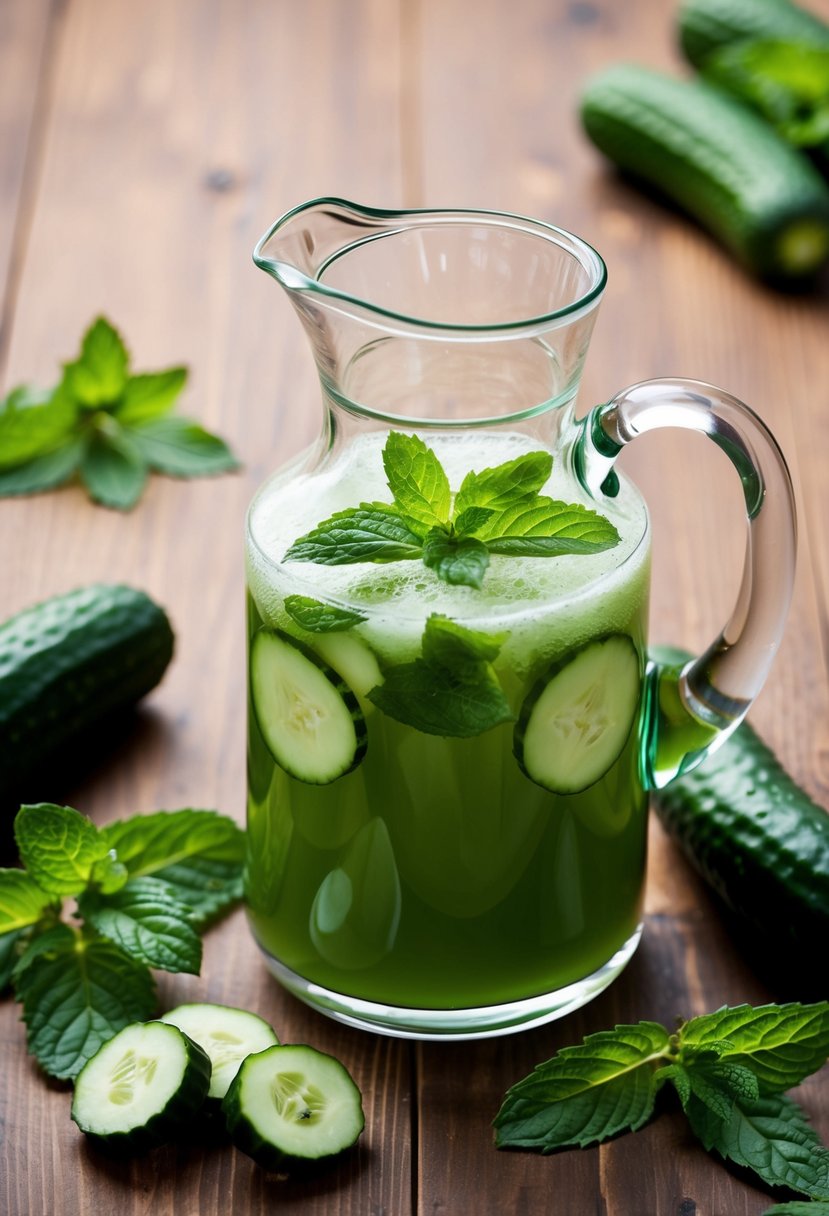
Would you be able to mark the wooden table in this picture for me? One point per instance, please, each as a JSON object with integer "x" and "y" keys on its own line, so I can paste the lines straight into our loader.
{"x": 143, "y": 149}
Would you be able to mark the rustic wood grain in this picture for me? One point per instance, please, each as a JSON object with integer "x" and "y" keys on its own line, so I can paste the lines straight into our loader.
{"x": 144, "y": 149}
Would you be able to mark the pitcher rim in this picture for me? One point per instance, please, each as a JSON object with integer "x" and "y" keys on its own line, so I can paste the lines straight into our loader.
{"x": 293, "y": 279}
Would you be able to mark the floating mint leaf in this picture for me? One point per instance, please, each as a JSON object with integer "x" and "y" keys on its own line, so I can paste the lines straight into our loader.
{"x": 457, "y": 560}
{"x": 781, "y": 1044}
{"x": 506, "y": 484}
{"x": 316, "y": 617}
{"x": 372, "y": 532}
{"x": 113, "y": 470}
{"x": 471, "y": 520}
{"x": 150, "y": 395}
{"x": 586, "y": 1093}
{"x": 99, "y": 374}
{"x": 452, "y": 689}
{"x": 418, "y": 483}
{"x": 78, "y": 998}
{"x": 58, "y": 846}
{"x": 148, "y": 922}
{"x": 197, "y": 853}
{"x": 542, "y": 527}
{"x": 770, "y": 1136}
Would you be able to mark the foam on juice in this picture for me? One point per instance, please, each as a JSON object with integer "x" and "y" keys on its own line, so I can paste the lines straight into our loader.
{"x": 544, "y": 603}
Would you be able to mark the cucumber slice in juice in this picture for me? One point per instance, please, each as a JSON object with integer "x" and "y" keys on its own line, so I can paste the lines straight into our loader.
{"x": 352, "y": 659}
{"x": 576, "y": 720}
{"x": 308, "y": 716}
{"x": 292, "y": 1104}
{"x": 141, "y": 1087}
{"x": 227, "y": 1035}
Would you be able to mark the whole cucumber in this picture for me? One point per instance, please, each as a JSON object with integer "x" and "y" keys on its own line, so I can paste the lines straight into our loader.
{"x": 68, "y": 666}
{"x": 718, "y": 161}
{"x": 705, "y": 26}
{"x": 761, "y": 843}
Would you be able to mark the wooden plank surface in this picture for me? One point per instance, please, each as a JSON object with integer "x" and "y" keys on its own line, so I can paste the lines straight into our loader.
{"x": 145, "y": 149}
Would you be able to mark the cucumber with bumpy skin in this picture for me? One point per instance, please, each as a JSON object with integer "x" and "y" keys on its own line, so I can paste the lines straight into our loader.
{"x": 228, "y": 1036}
{"x": 67, "y": 666}
{"x": 576, "y": 719}
{"x": 719, "y": 162}
{"x": 758, "y": 839}
{"x": 291, "y": 1105}
{"x": 308, "y": 716}
{"x": 705, "y": 26}
{"x": 141, "y": 1087}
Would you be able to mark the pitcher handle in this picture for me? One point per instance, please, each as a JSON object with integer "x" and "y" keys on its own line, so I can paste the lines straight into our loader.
{"x": 690, "y": 707}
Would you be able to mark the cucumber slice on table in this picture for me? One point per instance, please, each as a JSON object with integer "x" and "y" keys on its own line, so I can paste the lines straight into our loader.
{"x": 310, "y": 719}
{"x": 576, "y": 720}
{"x": 141, "y": 1087}
{"x": 227, "y": 1035}
{"x": 292, "y": 1104}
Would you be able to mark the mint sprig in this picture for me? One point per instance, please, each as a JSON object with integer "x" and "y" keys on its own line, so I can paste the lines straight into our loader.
{"x": 496, "y": 511}
{"x": 144, "y": 887}
{"x": 104, "y": 425}
{"x": 729, "y": 1068}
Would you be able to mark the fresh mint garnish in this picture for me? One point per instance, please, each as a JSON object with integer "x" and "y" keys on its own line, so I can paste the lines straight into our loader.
{"x": 144, "y": 887}
{"x": 498, "y": 510}
{"x": 105, "y": 425}
{"x": 316, "y": 617}
{"x": 729, "y": 1069}
{"x": 798, "y": 1207}
{"x": 451, "y": 689}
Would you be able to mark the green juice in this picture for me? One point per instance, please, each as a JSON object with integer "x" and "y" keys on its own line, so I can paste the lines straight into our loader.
{"x": 436, "y": 875}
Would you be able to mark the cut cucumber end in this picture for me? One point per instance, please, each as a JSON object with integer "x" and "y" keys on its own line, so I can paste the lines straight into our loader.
{"x": 310, "y": 719}
{"x": 576, "y": 720}
{"x": 228, "y": 1036}
{"x": 290, "y": 1105}
{"x": 141, "y": 1086}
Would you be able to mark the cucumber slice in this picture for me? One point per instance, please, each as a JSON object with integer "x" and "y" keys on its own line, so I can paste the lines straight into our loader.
{"x": 141, "y": 1087}
{"x": 227, "y": 1035}
{"x": 292, "y": 1104}
{"x": 575, "y": 721}
{"x": 352, "y": 659}
{"x": 309, "y": 718}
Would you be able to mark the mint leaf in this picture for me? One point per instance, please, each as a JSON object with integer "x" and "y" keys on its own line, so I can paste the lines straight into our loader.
{"x": 109, "y": 874}
{"x": 719, "y": 1085}
{"x": 471, "y": 520}
{"x": 22, "y": 900}
{"x": 799, "y": 1207}
{"x": 78, "y": 998}
{"x": 457, "y": 560}
{"x": 506, "y": 484}
{"x": 417, "y": 481}
{"x": 543, "y": 527}
{"x": 58, "y": 846}
{"x": 316, "y": 617}
{"x": 372, "y": 532}
{"x": 586, "y": 1093}
{"x": 148, "y": 922}
{"x": 45, "y": 472}
{"x": 770, "y": 1136}
{"x": 448, "y": 644}
{"x": 452, "y": 690}
{"x": 113, "y": 470}
{"x": 98, "y": 376}
{"x": 54, "y": 940}
{"x": 181, "y": 448}
{"x": 150, "y": 395}
{"x": 32, "y": 423}
{"x": 780, "y": 1044}
{"x": 197, "y": 853}
{"x": 10, "y": 946}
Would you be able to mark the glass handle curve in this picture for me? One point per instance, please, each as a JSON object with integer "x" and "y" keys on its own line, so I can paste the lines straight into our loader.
{"x": 692, "y": 705}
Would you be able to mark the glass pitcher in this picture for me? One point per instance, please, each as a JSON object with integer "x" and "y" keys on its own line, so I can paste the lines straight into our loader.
{"x": 453, "y": 718}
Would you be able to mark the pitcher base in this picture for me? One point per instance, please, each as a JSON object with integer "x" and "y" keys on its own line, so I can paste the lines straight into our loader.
{"x": 478, "y": 1023}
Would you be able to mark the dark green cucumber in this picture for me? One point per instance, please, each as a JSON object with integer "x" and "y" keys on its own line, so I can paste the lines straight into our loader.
{"x": 67, "y": 667}
{"x": 141, "y": 1088}
{"x": 291, "y": 1105}
{"x": 706, "y": 26}
{"x": 758, "y": 839}
{"x": 719, "y": 162}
